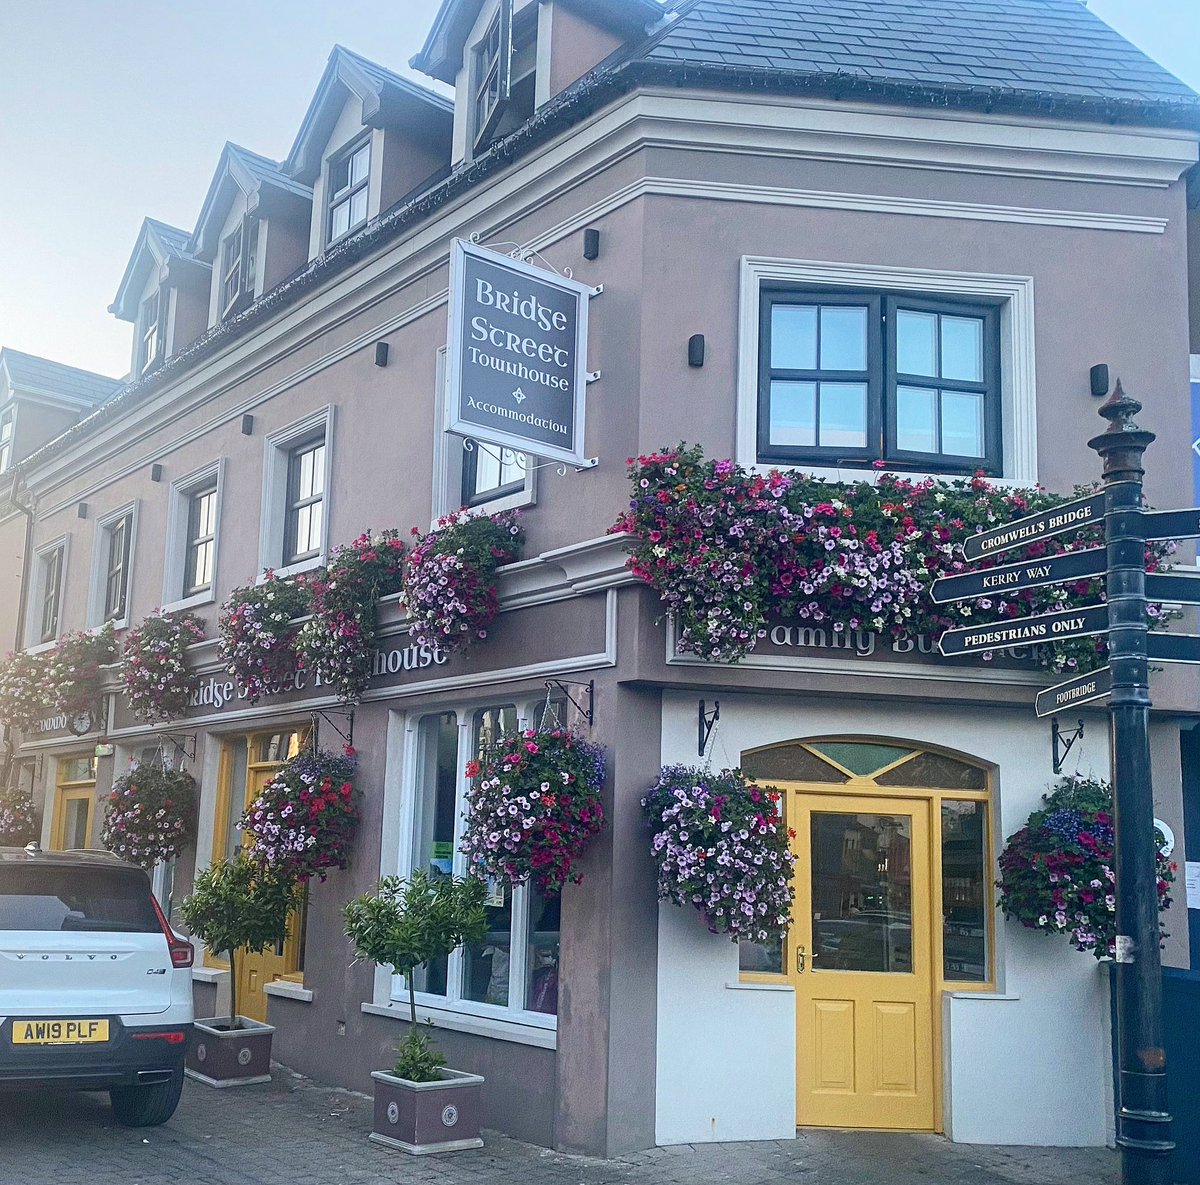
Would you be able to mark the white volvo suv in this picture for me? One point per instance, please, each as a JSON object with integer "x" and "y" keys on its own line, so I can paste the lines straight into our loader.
{"x": 95, "y": 986}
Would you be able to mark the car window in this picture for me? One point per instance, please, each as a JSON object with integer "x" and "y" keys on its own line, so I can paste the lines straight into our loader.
{"x": 73, "y": 898}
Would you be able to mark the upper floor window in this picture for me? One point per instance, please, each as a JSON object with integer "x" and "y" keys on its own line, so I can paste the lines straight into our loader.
{"x": 239, "y": 251}
{"x": 200, "y": 540}
{"x": 117, "y": 539}
{"x": 349, "y": 175}
{"x": 504, "y": 65}
{"x": 50, "y": 579}
{"x": 152, "y": 328}
{"x": 303, "y": 532}
{"x": 8, "y": 419}
{"x": 490, "y": 472}
{"x": 190, "y": 559}
{"x": 847, "y": 379}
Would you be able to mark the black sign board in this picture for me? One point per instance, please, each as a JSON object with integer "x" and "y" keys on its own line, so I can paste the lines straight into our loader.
{"x": 1172, "y": 524}
{"x": 1169, "y": 586}
{"x": 1173, "y": 647}
{"x": 1024, "y": 631}
{"x": 1083, "y": 689}
{"x": 516, "y": 355}
{"x": 995, "y": 582}
{"x": 1070, "y": 516}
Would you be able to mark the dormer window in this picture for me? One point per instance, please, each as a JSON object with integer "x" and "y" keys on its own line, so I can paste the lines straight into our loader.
{"x": 8, "y": 418}
{"x": 238, "y": 260}
{"x": 349, "y": 175}
{"x": 505, "y": 63}
{"x": 153, "y": 329}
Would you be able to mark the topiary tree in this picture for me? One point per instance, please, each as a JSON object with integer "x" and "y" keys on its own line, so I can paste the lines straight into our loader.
{"x": 406, "y": 924}
{"x": 238, "y": 905}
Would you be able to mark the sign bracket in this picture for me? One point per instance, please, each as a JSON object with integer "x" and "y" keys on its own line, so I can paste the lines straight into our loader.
{"x": 328, "y": 715}
{"x": 560, "y": 467}
{"x": 1063, "y": 742}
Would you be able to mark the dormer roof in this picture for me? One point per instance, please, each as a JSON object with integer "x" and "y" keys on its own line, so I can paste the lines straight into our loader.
{"x": 252, "y": 174}
{"x": 441, "y": 56}
{"x": 53, "y": 382}
{"x": 383, "y": 94}
{"x": 158, "y": 246}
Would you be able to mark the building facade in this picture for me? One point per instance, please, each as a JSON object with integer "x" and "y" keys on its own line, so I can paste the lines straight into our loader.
{"x": 931, "y": 222}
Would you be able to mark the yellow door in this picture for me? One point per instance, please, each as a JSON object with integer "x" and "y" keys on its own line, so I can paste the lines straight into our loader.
{"x": 861, "y": 962}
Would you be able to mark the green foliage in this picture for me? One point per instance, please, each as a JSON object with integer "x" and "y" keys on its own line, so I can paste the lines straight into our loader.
{"x": 417, "y": 1059}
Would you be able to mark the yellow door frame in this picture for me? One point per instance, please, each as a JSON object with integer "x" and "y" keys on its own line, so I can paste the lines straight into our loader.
{"x": 857, "y": 785}
{"x": 71, "y": 791}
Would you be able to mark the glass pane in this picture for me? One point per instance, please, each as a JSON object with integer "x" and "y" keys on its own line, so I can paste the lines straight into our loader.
{"x": 433, "y": 837}
{"x": 237, "y": 796}
{"x": 936, "y": 771}
{"x": 861, "y": 892}
{"x": 278, "y": 746}
{"x": 486, "y": 964}
{"x": 794, "y": 413}
{"x": 360, "y": 162}
{"x": 843, "y": 338}
{"x": 916, "y": 343}
{"x": 962, "y": 424}
{"x": 962, "y": 349}
{"x": 793, "y": 337}
{"x": 843, "y": 415}
{"x": 860, "y": 758}
{"x": 916, "y": 419}
{"x": 75, "y": 826}
{"x": 542, "y": 956}
{"x": 965, "y": 891}
{"x": 358, "y": 207}
{"x": 766, "y": 958}
{"x": 790, "y": 763}
{"x": 340, "y": 221}
{"x": 77, "y": 769}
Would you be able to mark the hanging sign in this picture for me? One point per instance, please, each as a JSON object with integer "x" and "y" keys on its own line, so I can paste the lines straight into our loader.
{"x": 1083, "y": 689}
{"x": 994, "y": 582}
{"x": 516, "y": 355}
{"x": 1021, "y": 631}
{"x": 1172, "y": 524}
{"x": 1071, "y": 516}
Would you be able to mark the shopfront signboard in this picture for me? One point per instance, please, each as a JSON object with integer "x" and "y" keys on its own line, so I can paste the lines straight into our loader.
{"x": 517, "y": 354}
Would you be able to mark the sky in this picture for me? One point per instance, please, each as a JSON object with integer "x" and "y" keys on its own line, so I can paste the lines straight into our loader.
{"x": 111, "y": 110}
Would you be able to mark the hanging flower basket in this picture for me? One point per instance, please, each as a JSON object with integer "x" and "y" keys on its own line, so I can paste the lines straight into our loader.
{"x": 725, "y": 549}
{"x": 337, "y": 644}
{"x": 158, "y": 684}
{"x": 73, "y": 675}
{"x": 23, "y": 689}
{"x": 449, "y": 589}
{"x": 534, "y": 806}
{"x": 258, "y": 635}
{"x": 150, "y": 815}
{"x": 1056, "y": 873}
{"x": 721, "y": 846}
{"x": 18, "y": 818}
{"x": 303, "y": 822}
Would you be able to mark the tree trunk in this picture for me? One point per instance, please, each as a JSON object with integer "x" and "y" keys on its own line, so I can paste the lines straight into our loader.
{"x": 233, "y": 1012}
{"x": 412, "y": 999}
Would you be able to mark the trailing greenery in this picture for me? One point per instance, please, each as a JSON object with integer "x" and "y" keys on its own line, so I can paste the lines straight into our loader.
{"x": 150, "y": 815}
{"x": 258, "y": 635}
{"x": 73, "y": 676}
{"x": 408, "y": 924}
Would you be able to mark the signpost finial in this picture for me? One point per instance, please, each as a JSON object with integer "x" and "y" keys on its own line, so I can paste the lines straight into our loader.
{"x": 1122, "y": 443}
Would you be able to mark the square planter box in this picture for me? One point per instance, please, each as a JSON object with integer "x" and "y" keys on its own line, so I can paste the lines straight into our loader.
{"x": 230, "y": 1057}
{"x": 424, "y": 1117}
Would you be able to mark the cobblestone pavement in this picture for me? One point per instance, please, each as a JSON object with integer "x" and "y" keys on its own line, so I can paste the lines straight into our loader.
{"x": 293, "y": 1132}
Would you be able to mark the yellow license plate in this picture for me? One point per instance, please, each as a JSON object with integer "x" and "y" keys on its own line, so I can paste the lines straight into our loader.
{"x": 59, "y": 1032}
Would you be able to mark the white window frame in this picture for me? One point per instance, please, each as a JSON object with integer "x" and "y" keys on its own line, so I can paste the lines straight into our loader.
{"x": 175, "y": 561}
{"x": 274, "y": 495}
{"x": 1018, "y": 371}
{"x": 151, "y": 331}
{"x": 402, "y": 800}
{"x": 7, "y": 417}
{"x": 96, "y": 593}
{"x": 37, "y": 589}
{"x": 343, "y": 196}
{"x": 230, "y": 267}
{"x": 448, "y": 462}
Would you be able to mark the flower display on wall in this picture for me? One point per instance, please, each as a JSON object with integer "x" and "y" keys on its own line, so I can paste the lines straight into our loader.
{"x": 18, "y": 817}
{"x": 533, "y": 807}
{"x": 725, "y": 549}
{"x": 258, "y": 635}
{"x": 303, "y": 822}
{"x": 150, "y": 815}
{"x": 722, "y": 847}
{"x": 72, "y": 672}
{"x": 338, "y": 643}
{"x": 1057, "y": 873}
{"x": 450, "y": 580}
{"x": 154, "y": 666}
{"x": 23, "y": 689}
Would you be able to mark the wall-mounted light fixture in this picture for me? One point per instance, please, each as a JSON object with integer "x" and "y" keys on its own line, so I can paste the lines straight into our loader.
{"x": 156, "y": 472}
{"x": 1099, "y": 379}
{"x": 591, "y": 243}
{"x": 696, "y": 349}
{"x": 247, "y": 425}
{"x": 81, "y": 510}
{"x": 381, "y": 353}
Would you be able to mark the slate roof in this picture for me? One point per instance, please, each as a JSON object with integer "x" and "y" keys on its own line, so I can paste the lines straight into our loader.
{"x": 385, "y": 77}
{"x": 266, "y": 170}
{"x": 171, "y": 237}
{"x": 1038, "y": 48}
{"x": 28, "y": 372}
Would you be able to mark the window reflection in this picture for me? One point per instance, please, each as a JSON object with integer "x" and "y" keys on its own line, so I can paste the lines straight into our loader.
{"x": 965, "y": 894}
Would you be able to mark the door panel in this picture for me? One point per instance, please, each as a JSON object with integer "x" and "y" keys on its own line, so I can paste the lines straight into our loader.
{"x": 863, "y": 969}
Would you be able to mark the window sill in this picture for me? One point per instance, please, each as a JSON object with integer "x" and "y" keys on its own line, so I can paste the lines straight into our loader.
{"x": 287, "y": 990}
{"x": 193, "y": 602}
{"x": 42, "y": 647}
{"x": 982, "y": 994}
{"x": 466, "y": 1022}
{"x": 520, "y": 500}
{"x": 844, "y": 476}
{"x": 755, "y": 985}
{"x": 293, "y": 569}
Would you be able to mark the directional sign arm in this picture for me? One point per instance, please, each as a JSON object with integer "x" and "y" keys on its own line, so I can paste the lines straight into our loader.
{"x": 1025, "y": 631}
{"x": 1173, "y": 586}
{"x": 1173, "y": 647}
{"x": 1012, "y": 578}
{"x": 1172, "y": 524}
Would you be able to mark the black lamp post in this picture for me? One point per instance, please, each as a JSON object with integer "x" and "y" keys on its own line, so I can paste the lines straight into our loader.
{"x": 1143, "y": 1122}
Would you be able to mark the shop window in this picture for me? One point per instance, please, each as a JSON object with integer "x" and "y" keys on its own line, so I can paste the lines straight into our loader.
{"x": 966, "y": 891}
{"x": 512, "y": 973}
{"x": 74, "y": 803}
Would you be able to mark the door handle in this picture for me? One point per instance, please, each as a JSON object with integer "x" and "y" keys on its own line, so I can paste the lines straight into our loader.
{"x": 801, "y": 958}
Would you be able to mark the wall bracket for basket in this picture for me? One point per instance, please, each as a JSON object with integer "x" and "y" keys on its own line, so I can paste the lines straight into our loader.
{"x": 705, "y": 723}
{"x": 588, "y": 695}
{"x": 1063, "y": 742}
{"x": 331, "y": 716}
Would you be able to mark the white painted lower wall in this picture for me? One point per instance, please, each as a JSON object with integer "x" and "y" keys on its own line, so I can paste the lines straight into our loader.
{"x": 1028, "y": 1064}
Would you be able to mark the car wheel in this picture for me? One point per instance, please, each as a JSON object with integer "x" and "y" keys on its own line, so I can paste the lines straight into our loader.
{"x": 146, "y": 1106}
